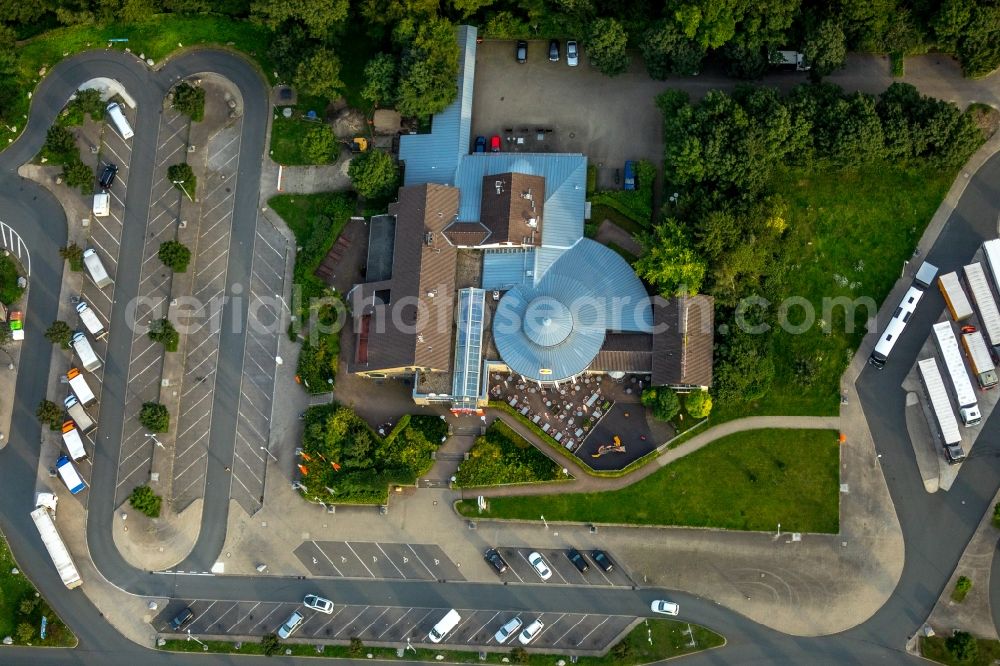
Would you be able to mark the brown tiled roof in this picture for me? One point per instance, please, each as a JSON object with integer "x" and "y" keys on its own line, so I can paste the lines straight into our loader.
{"x": 625, "y": 352}
{"x": 684, "y": 341}
{"x": 415, "y": 328}
{"x": 466, "y": 234}
{"x": 509, "y": 202}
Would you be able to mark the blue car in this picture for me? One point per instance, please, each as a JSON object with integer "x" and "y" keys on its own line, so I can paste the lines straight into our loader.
{"x": 630, "y": 175}
{"x": 480, "y": 144}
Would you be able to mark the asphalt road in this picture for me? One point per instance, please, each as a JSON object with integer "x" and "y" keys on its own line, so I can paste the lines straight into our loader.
{"x": 937, "y": 526}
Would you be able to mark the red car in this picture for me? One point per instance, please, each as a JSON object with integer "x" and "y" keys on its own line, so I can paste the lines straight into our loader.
{"x": 495, "y": 144}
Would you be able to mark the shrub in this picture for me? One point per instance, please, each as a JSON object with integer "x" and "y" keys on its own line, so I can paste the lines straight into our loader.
{"x": 519, "y": 655}
{"x": 190, "y": 100}
{"x": 60, "y": 145}
{"x": 317, "y": 364}
{"x": 269, "y": 644}
{"x": 996, "y": 515}
{"x": 503, "y": 456}
{"x": 78, "y": 174}
{"x": 357, "y": 648}
{"x": 50, "y": 413}
{"x": 175, "y": 255}
{"x": 662, "y": 401}
{"x": 374, "y": 174}
{"x": 145, "y": 501}
{"x": 10, "y": 290}
{"x": 59, "y": 333}
{"x": 163, "y": 331}
{"x": 25, "y": 632}
{"x": 154, "y": 416}
{"x": 320, "y": 145}
{"x": 962, "y": 587}
{"x": 73, "y": 253}
{"x": 698, "y": 404}
{"x": 962, "y": 646}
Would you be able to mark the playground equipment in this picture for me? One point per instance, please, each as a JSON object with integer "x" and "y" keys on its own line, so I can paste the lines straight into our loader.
{"x": 617, "y": 447}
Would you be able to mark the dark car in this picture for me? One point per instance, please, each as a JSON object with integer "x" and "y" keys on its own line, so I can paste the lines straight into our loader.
{"x": 495, "y": 560}
{"x": 480, "y": 144}
{"x": 554, "y": 50}
{"x": 577, "y": 559}
{"x": 521, "y": 52}
{"x": 602, "y": 560}
{"x": 181, "y": 619}
{"x": 495, "y": 143}
{"x": 107, "y": 176}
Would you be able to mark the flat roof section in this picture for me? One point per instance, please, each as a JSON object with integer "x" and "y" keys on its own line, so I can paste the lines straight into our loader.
{"x": 381, "y": 244}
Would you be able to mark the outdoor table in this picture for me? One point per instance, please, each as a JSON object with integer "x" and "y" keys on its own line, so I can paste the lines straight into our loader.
{"x": 512, "y": 401}
{"x": 579, "y": 431}
{"x": 546, "y": 427}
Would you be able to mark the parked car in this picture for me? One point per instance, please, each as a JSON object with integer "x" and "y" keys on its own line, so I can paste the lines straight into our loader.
{"x": 181, "y": 619}
{"x": 553, "y": 50}
{"x": 506, "y": 631}
{"x": 536, "y": 560}
{"x": 521, "y": 52}
{"x": 572, "y": 53}
{"x": 480, "y": 144}
{"x": 630, "y": 175}
{"x": 664, "y": 607}
{"x": 293, "y": 622}
{"x": 577, "y": 559}
{"x": 108, "y": 176}
{"x": 602, "y": 560}
{"x": 531, "y": 632}
{"x": 318, "y": 603}
{"x": 495, "y": 560}
{"x": 495, "y": 143}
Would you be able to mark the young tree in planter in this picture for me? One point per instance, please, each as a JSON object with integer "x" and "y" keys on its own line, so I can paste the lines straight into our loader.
{"x": 50, "y": 413}
{"x": 182, "y": 176}
{"x": 155, "y": 417}
{"x": 59, "y": 333}
{"x": 175, "y": 255}
{"x": 78, "y": 174}
{"x": 163, "y": 331}
{"x": 190, "y": 100}
{"x": 73, "y": 253}
{"x": 145, "y": 501}
{"x": 374, "y": 174}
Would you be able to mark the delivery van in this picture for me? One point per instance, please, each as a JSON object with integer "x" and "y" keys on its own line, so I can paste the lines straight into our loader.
{"x": 444, "y": 625}
{"x": 69, "y": 475}
{"x": 118, "y": 118}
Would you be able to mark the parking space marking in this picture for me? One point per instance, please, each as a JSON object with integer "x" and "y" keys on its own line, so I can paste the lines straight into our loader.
{"x": 332, "y": 618}
{"x": 484, "y": 625}
{"x": 327, "y": 558}
{"x": 398, "y": 620}
{"x": 360, "y": 560}
{"x": 352, "y": 621}
{"x": 416, "y": 624}
{"x": 390, "y": 560}
{"x": 263, "y": 619}
{"x": 410, "y": 546}
{"x": 587, "y": 635}
{"x": 386, "y": 610}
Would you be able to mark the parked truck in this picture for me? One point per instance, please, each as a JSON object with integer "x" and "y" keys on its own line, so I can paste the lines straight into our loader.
{"x": 979, "y": 357}
{"x": 90, "y": 320}
{"x": 95, "y": 268}
{"x": 954, "y": 296}
{"x": 925, "y": 274}
{"x": 968, "y": 406}
{"x": 81, "y": 389}
{"x": 989, "y": 316}
{"x": 947, "y": 424}
{"x": 73, "y": 441}
{"x": 991, "y": 253}
{"x": 67, "y": 472}
{"x": 42, "y": 516}
{"x": 79, "y": 415}
{"x": 81, "y": 345}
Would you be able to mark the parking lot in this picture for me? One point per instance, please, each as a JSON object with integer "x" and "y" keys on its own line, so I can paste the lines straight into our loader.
{"x": 393, "y": 624}
{"x": 563, "y": 571}
{"x": 253, "y": 425}
{"x": 146, "y": 358}
{"x": 369, "y": 559}
{"x": 209, "y": 266}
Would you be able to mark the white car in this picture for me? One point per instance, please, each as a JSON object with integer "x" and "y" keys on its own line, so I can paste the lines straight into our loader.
{"x": 318, "y": 603}
{"x": 572, "y": 53}
{"x": 536, "y": 560}
{"x": 291, "y": 624}
{"x": 531, "y": 632}
{"x": 507, "y": 630}
{"x": 664, "y": 607}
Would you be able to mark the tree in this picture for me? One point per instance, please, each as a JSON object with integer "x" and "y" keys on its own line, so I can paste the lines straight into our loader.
{"x": 320, "y": 145}
{"x": 374, "y": 174}
{"x": 825, "y": 49}
{"x": 979, "y": 48}
{"x": 711, "y": 23}
{"x": 963, "y": 646}
{"x": 269, "y": 644}
{"x": 666, "y": 51}
{"x": 606, "y": 46}
{"x": 154, "y": 416}
{"x": 73, "y": 253}
{"x": 145, "y": 501}
{"x": 948, "y": 25}
{"x": 25, "y": 632}
{"x": 182, "y": 176}
{"x": 163, "y": 331}
{"x": 321, "y": 18}
{"x": 381, "y": 73}
{"x": 319, "y": 75}
{"x": 190, "y": 100}
{"x": 61, "y": 144}
{"x": 671, "y": 265}
{"x": 175, "y": 255}
{"x": 996, "y": 515}
{"x": 59, "y": 333}
{"x": 744, "y": 369}
{"x": 662, "y": 401}
{"x": 50, "y": 413}
{"x": 78, "y": 174}
{"x": 427, "y": 79}
{"x": 698, "y": 404}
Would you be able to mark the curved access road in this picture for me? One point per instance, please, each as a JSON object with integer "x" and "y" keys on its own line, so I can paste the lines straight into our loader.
{"x": 936, "y": 526}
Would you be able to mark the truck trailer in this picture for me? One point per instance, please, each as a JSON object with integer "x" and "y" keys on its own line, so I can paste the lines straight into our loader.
{"x": 925, "y": 274}
{"x": 90, "y": 320}
{"x": 979, "y": 357}
{"x": 81, "y": 345}
{"x": 954, "y": 296}
{"x": 991, "y": 253}
{"x": 79, "y": 415}
{"x": 989, "y": 316}
{"x": 73, "y": 441}
{"x": 947, "y": 424}
{"x": 968, "y": 406}
{"x": 81, "y": 389}
{"x": 95, "y": 268}
{"x": 58, "y": 551}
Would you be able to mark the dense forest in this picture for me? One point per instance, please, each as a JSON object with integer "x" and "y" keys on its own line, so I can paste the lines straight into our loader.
{"x": 415, "y": 57}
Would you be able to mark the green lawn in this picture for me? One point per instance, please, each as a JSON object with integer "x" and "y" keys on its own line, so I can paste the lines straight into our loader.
{"x": 15, "y": 591}
{"x": 861, "y": 225}
{"x": 288, "y": 135}
{"x": 650, "y": 641}
{"x": 933, "y": 648}
{"x": 10, "y": 291}
{"x": 746, "y": 481}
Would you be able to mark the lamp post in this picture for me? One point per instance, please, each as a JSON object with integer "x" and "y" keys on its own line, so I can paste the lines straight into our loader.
{"x": 181, "y": 183}
{"x": 155, "y": 441}
{"x": 268, "y": 452}
{"x": 192, "y": 638}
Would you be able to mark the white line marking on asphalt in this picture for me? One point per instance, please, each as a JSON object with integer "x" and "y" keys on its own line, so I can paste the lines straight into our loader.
{"x": 245, "y": 616}
{"x": 386, "y": 630}
{"x": 433, "y": 577}
{"x": 582, "y": 618}
{"x": 332, "y": 618}
{"x": 261, "y": 620}
{"x": 580, "y": 642}
{"x": 415, "y": 624}
{"x": 199, "y": 419}
{"x": 374, "y": 621}
{"x": 327, "y": 558}
{"x": 352, "y": 621}
{"x": 390, "y": 560}
{"x": 348, "y": 543}
{"x": 482, "y": 627}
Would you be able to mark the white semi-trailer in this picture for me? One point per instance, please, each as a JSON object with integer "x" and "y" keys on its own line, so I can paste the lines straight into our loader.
{"x": 968, "y": 406}
{"x": 989, "y": 316}
{"x": 947, "y": 424}
{"x": 56, "y": 547}
{"x": 991, "y": 251}
{"x": 95, "y": 268}
{"x": 81, "y": 345}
